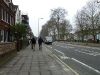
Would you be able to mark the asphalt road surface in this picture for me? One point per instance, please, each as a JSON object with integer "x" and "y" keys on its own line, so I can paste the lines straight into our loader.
{"x": 84, "y": 60}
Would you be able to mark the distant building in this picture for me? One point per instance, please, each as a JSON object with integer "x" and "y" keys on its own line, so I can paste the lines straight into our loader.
{"x": 87, "y": 37}
{"x": 25, "y": 21}
{"x": 7, "y": 18}
{"x": 98, "y": 36}
{"x": 18, "y": 15}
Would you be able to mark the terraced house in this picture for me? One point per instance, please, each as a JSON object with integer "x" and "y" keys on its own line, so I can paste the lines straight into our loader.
{"x": 7, "y": 18}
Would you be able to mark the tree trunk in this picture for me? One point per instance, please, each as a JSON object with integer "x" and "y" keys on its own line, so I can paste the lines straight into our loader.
{"x": 82, "y": 38}
{"x": 94, "y": 38}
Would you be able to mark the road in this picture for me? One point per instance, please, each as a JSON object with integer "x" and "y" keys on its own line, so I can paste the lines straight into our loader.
{"x": 84, "y": 60}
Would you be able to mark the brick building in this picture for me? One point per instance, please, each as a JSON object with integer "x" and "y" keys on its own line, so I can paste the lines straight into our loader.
{"x": 7, "y": 18}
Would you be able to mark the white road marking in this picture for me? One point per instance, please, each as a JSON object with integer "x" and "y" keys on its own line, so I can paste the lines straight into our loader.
{"x": 62, "y": 56}
{"x": 60, "y": 52}
{"x": 49, "y": 46}
{"x": 80, "y": 46}
{"x": 97, "y": 71}
{"x": 90, "y": 52}
{"x": 84, "y": 46}
{"x": 65, "y": 46}
{"x": 65, "y": 66}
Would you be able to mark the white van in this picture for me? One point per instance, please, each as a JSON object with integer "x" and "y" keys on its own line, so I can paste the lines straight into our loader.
{"x": 48, "y": 40}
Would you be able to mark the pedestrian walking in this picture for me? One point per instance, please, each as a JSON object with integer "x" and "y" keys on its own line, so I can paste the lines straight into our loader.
{"x": 40, "y": 41}
{"x": 33, "y": 42}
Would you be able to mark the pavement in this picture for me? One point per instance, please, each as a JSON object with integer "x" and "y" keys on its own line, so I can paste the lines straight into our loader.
{"x": 38, "y": 62}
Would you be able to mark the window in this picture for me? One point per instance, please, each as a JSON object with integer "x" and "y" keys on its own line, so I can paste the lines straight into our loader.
{"x": 10, "y": 20}
{"x": 1, "y": 13}
{"x": 5, "y": 36}
{"x": 1, "y": 35}
{"x": 5, "y": 16}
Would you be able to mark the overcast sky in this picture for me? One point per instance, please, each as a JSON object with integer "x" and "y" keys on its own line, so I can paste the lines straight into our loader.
{"x": 42, "y": 8}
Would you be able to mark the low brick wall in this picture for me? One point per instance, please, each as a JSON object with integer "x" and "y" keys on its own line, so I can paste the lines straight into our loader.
{"x": 7, "y": 47}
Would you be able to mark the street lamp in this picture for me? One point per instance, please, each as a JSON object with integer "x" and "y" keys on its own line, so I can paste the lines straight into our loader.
{"x": 38, "y": 25}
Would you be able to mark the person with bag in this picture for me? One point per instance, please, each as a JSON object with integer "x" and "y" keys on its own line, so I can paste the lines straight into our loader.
{"x": 40, "y": 41}
{"x": 33, "y": 42}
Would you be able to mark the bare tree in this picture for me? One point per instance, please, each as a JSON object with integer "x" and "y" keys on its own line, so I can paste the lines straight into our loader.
{"x": 93, "y": 15}
{"x": 57, "y": 26}
{"x": 88, "y": 19}
{"x": 52, "y": 27}
{"x": 44, "y": 32}
{"x": 80, "y": 23}
{"x": 58, "y": 15}
{"x": 65, "y": 29}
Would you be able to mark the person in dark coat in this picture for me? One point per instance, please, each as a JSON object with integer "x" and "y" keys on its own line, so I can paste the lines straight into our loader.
{"x": 40, "y": 41}
{"x": 33, "y": 42}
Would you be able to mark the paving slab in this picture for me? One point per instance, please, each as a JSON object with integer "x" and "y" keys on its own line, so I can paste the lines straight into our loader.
{"x": 29, "y": 62}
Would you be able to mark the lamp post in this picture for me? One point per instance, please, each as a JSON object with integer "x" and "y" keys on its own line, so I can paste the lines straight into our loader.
{"x": 38, "y": 25}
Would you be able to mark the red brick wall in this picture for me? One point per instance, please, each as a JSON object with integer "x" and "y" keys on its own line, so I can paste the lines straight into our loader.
{"x": 7, "y": 47}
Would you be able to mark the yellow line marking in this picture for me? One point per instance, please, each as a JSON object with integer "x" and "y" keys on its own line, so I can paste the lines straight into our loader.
{"x": 64, "y": 63}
